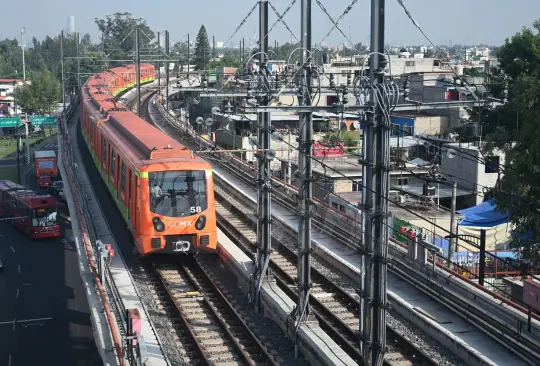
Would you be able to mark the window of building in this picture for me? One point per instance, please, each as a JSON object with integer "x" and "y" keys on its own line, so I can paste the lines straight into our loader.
{"x": 123, "y": 176}
{"x": 356, "y": 186}
{"x": 113, "y": 164}
{"x": 402, "y": 181}
{"x": 335, "y": 205}
{"x": 492, "y": 164}
{"x": 409, "y": 63}
{"x": 331, "y": 99}
{"x": 342, "y": 208}
{"x": 395, "y": 130}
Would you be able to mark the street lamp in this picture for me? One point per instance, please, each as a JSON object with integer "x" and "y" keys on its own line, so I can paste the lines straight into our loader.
{"x": 22, "y": 47}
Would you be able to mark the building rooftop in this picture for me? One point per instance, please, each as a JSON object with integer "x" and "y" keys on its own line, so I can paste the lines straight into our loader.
{"x": 402, "y": 210}
{"x": 441, "y": 191}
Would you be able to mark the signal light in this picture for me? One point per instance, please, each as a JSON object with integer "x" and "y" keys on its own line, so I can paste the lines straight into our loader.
{"x": 201, "y": 222}
{"x": 159, "y": 226}
{"x": 412, "y": 234}
{"x": 403, "y": 229}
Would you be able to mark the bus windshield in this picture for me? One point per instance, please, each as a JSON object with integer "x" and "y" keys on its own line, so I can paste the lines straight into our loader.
{"x": 178, "y": 193}
{"x": 44, "y": 217}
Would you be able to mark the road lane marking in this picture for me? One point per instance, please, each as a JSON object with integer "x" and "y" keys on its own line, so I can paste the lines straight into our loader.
{"x": 17, "y": 296}
{"x": 14, "y": 323}
{"x": 19, "y": 268}
{"x": 9, "y": 360}
{"x": 33, "y": 320}
{"x": 13, "y": 250}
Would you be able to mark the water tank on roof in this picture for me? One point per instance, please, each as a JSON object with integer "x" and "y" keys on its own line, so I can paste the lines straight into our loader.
{"x": 429, "y": 190}
{"x": 459, "y": 69}
{"x": 326, "y": 59}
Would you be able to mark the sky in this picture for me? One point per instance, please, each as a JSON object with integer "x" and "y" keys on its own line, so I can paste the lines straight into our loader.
{"x": 445, "y": 22}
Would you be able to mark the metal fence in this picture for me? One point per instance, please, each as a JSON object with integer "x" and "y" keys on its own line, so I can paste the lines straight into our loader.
{"x": 128, "y": 347}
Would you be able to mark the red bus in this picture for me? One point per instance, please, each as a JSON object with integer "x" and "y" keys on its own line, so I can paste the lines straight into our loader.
{"x": 33, "y": 213}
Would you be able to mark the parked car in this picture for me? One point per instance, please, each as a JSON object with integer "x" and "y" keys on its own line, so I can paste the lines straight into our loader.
{"x": 44, "y": 181}
{"x": 55, "y": 187}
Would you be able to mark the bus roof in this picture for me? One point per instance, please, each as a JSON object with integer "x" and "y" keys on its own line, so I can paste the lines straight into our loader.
{"x": 26, "y": 195}
{"x": 45, "y": 154}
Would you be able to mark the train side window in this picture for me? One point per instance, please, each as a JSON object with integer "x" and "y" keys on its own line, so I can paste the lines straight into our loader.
{"x": 104, "y": 153}
{"x": 123, "y": 176}
{"x": 113, "y": 164}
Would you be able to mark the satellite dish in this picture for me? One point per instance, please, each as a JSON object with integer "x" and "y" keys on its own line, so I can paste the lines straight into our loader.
{"x": 356, "y": 124}
{"x": 451, "y": 153}
{"x": 199, "y": 120}
{"x": 276, "y": 136}
{"x": 215, "y": 110}
{"x": 209, "y": 121}
{"x": 253, "y": 142}
{"x": 270, "y": 154}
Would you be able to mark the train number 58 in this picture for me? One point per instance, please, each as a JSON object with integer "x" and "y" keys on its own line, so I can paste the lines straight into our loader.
{"x": 195, "y": 209}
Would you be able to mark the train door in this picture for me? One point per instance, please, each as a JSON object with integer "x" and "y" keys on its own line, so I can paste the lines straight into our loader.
{"x": 113, "y": 173}
{"x": 134, "y": 192}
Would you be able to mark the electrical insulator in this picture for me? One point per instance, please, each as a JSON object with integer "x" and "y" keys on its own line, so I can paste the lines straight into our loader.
{"x": 349, "y": 79}
{"x": 332, "y": 83}
{"x": 407, "y": 86}
{"x": 383, "y": 62}
{"x": 345, "y": 97}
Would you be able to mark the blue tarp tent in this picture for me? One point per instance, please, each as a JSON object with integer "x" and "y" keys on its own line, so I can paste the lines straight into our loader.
{"x": 484, "y": 215}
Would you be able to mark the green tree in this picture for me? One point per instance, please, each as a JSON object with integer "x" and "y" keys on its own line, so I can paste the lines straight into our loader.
{"x": 513, "y": 128}
{"x": 41, "y": 95}
{"x": 202, "y": 50}
{"x": 118, "y": 32}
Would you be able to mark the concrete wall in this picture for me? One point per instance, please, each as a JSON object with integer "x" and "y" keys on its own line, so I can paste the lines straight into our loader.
{"x": 469, "y": 169}
{"x": 431, "y": 125}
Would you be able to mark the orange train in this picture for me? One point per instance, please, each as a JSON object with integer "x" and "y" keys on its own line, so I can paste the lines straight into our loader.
{"x": 164, "y": 191}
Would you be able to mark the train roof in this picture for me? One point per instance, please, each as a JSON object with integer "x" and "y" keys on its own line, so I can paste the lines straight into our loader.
{"x": 150, "y": 142}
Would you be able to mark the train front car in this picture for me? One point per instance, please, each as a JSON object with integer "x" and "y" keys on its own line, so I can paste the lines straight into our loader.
{"x": 178, "y": 208}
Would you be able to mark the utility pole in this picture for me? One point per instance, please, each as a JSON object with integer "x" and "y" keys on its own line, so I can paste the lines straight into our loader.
{"x": 375, "y": 194}
{"x": 23, "y": 59}
{"x": 452, "y": 241}
{"x": 159, "y": 64}
{"x": 78, "y": 63}
{"x": 18, "y": 154}
{"x": 304, "y": 168}
{"x": 167, "y": 70}
{"x": 138, "y": 70}
{"x": 213, "y": 48}
{"x": 62, "y": 65}
{"x": 26, "y": 115}
{"x": 264, "y": 125}
{"x": 188, "y": 56}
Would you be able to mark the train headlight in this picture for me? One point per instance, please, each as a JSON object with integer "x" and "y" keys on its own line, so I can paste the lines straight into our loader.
{"x": 201, "y": 222}
{"x": 158, "y": 224}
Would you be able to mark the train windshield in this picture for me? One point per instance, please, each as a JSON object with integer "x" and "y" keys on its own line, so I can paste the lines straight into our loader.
{"x": 43, "y": 217}
{"x": 178, "y": 193}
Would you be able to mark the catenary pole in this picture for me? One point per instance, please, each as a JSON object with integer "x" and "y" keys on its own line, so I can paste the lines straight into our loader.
{"x": 138, "y": 70}
{"x": 264, "y": 232}
{"x": 167, "y": 72}
{"x": 305, "y": 169}
{"x": 159, "y": 63}
{"x": 375, "y": 194}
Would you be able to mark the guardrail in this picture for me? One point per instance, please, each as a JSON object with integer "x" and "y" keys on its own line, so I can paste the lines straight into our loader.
{"x": 88, "y": 231}
{"x": 512, "y": 320}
